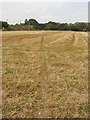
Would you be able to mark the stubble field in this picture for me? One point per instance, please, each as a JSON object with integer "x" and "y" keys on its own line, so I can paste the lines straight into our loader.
{"x": 45, "y": 74}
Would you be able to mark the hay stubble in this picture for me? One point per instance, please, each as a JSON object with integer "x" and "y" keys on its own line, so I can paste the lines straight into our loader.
{"x": 45, "y": 77}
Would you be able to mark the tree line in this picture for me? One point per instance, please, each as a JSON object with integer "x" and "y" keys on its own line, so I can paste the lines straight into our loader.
{"x": 78, "y": 26}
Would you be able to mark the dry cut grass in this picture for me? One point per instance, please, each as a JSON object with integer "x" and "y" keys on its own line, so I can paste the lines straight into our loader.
{"x": 45, "y": 74}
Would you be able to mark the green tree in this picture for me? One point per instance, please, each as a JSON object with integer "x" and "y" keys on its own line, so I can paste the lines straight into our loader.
{"x": 3, "y": 24}
{"x": 63, "y": 26}
{"x": 33, "y": 22}
{"x": 26, "y": 22}
{"x": 51, "y": 26}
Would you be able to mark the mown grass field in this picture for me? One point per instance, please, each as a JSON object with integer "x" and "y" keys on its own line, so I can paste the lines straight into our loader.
{"x": 45, "y": 74}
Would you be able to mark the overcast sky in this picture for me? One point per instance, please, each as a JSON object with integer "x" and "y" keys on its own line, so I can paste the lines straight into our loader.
{"x": 44, "y": 11}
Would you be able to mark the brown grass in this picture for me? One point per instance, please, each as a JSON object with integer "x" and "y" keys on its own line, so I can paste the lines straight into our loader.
{"x": 45, "y": 74}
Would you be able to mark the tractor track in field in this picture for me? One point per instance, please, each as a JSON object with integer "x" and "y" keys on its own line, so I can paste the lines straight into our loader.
{"x": 84, "y": 38}
{"x": 62, "y": 39}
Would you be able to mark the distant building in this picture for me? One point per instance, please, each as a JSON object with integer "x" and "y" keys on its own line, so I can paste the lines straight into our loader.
{"x": 21, "y": 26}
